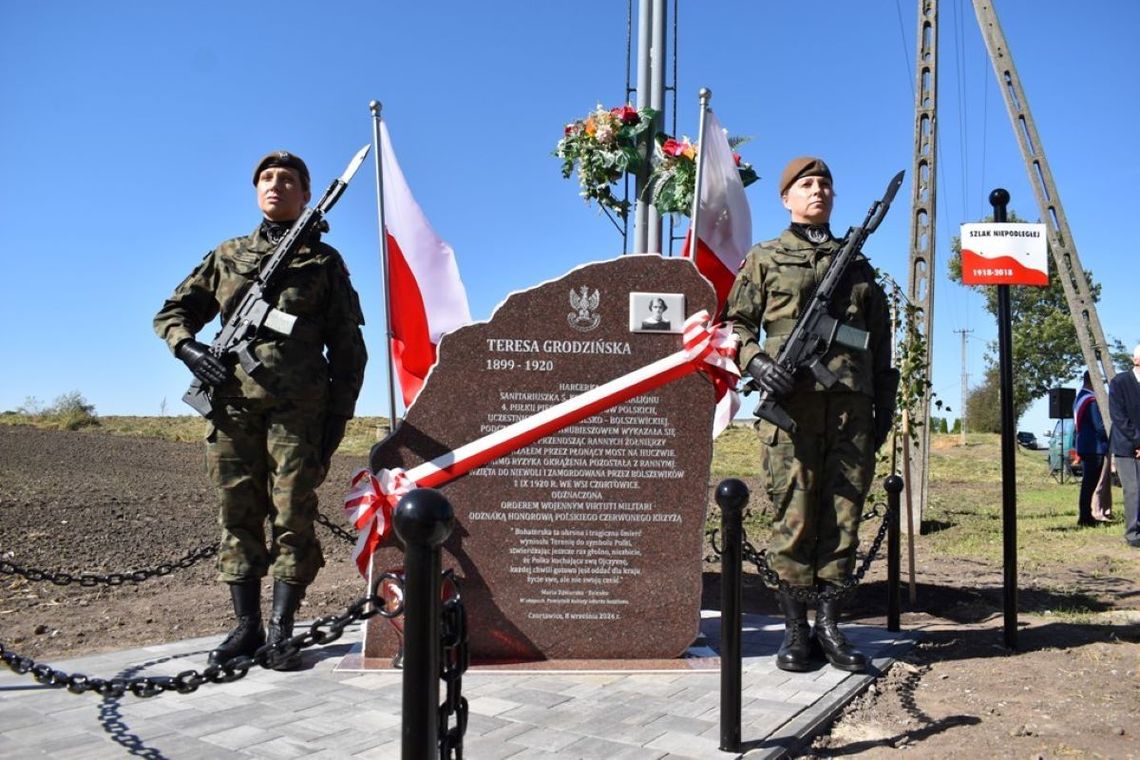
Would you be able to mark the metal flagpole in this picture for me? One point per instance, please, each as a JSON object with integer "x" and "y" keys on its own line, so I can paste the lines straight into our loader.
{"x": 705, "y": 96}
{"x": 374, "y": 106}
{"x": 657, "y": 103}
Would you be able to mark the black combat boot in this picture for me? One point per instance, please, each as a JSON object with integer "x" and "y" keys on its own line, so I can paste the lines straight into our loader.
{"x": 286, "y": 599}
{"x": 249, "y": 634}
{"x": 795, "y": 652}
{"x": 831, "y": 640}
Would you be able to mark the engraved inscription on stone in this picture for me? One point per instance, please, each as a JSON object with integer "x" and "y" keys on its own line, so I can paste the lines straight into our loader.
{"x": 588, "y": 542}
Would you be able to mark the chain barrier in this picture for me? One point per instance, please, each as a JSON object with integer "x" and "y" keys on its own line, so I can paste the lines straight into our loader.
{"x": 322, "y": 631}
{"x": 758, "y": 557}
{"x": 453, "y": 664}
{"x": 90, "y": 580}
{"x": 111, "y": 579}
{"x": 335, "y": 529}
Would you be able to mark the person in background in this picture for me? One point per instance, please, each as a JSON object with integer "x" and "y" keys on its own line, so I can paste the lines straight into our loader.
{"x": 1092, "y": 448}
{"x": 271, "y": 438}
{"x": 1124, "y": 442}
{"x": 818, "y": 476}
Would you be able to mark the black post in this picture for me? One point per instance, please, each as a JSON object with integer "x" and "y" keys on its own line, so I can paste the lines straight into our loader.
{"x": 999, "y": 199}
{"x": 894, "y": 486}
{"x": 732, "y": 496}
{"x": 423, "y": 521}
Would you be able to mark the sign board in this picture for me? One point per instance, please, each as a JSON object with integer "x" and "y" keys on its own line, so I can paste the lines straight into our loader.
{"x": 1005, "y": 253}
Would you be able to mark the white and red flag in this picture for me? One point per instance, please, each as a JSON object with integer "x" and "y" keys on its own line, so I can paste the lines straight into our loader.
{"x": 725, "y": 233}
{"x": 426, "y": 297}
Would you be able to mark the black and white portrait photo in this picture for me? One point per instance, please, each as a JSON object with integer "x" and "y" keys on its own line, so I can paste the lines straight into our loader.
{"x": 656, "y": 312}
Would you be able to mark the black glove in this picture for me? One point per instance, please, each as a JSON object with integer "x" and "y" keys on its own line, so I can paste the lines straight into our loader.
{"x": 770, "y": 376}
{"x": 205, "y": 366}
{"x": 333, "y": 435}
{"x": 886, "y": 393}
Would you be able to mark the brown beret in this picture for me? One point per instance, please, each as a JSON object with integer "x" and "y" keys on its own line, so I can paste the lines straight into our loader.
{"x": 802, "y": 166}
{"x": 285, "y": 159}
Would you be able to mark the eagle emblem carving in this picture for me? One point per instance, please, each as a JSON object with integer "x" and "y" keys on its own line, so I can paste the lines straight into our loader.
{"x": 585, "y": 304}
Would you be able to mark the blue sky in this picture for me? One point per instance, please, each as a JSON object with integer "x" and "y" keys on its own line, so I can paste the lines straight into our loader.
{"x": 128, "y": 133}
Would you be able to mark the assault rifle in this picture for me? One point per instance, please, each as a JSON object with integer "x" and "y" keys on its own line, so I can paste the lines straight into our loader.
{"x": 254, "y": 312}
{"x": 816, "y": 330}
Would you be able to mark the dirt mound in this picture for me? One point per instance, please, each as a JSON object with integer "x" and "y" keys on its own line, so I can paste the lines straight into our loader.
{"x": 86, "y": 502}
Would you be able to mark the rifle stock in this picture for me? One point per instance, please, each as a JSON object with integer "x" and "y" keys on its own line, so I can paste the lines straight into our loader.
{"x": 816, "y": 330}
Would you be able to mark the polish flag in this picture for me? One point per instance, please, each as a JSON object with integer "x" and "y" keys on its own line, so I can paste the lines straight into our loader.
{"x": 724, "y": 237}
{"x": 426, "y": 296}
{"x": 725, "y": 233}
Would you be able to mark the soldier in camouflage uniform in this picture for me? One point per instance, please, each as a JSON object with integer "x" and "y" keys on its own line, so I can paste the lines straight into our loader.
{"x": 819, "y": 476}
{"x": 273, "y": 434}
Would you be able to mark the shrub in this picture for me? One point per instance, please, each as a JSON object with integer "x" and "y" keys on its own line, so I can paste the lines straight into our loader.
{"x": 71, "y": 411}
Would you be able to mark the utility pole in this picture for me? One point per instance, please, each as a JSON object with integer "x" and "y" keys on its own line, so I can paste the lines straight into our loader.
{"x": 650, "y": 94}
{"x": 920, "y": 284}
{"x": 1061, "y": 245}
{"x": 965, "y": 388}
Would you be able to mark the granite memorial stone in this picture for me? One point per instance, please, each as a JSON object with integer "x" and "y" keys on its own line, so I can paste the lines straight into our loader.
{"x": 586, "y": 544}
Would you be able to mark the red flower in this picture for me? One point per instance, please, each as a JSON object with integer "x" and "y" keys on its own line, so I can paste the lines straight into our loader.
{"x": 673, "y": 148}
{"x": 627, "y": 114}
{"x": 736, "y": 158}
{"x": 570, "y": 129}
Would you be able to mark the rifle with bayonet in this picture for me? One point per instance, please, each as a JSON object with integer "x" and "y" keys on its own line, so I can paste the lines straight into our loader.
{"x": 816, "y": 330}
{"x": 254, "y": 313}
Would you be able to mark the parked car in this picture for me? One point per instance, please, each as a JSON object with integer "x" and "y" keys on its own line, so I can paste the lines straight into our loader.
{"x": 1062, "y": 449}
{"x": 1027, "y": 439}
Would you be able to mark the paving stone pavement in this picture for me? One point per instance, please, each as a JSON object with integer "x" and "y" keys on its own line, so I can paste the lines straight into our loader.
{"x": 321, "y": 712}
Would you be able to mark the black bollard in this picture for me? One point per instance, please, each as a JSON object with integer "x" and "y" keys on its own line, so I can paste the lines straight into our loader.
{"x": 732, "y": 496}
{"x": 894, "y": 486}
{"x": 423, "y": 521}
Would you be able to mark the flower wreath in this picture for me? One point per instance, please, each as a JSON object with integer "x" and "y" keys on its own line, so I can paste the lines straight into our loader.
{"x": 604, "y": 146}
{"x": 674, "y": 177}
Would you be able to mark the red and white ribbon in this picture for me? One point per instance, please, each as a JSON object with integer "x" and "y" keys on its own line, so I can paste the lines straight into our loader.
{"x": 370, "y": 506}
{"x": 706, "y": 348}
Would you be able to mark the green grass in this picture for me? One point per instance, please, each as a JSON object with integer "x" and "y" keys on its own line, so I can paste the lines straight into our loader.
{"x": 966, "y": 508}
{"x": 963, "y": 518}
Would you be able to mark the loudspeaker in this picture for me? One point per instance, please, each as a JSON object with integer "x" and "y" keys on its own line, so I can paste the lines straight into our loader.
{"x": 1061, "y": 403}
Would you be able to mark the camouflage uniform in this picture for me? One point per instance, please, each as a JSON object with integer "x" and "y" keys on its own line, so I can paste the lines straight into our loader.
{"x": 818, "y": 477}
{"x": 263, "y": 442}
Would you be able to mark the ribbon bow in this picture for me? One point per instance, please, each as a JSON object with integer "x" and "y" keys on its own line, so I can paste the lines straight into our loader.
{"x": 715, "y": 345}
{"x": 369, "y": 506}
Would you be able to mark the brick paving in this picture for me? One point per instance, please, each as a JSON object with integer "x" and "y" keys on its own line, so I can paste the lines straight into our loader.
{"x": 323, "y": 711}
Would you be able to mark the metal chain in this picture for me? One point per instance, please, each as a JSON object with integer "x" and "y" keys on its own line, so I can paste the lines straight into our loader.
{"x": 803, "y": 593}
{"x": 335, "y": 529}
{"x": 110, "y": 579}
{"x": 453, "y": 664}
{"x": 89, "y": 580}
{"x": 322, "y": 631}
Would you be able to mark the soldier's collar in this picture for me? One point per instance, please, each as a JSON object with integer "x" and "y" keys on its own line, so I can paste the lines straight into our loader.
{"x": 816, "y": 234}
{"x": 274, "y": 231}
